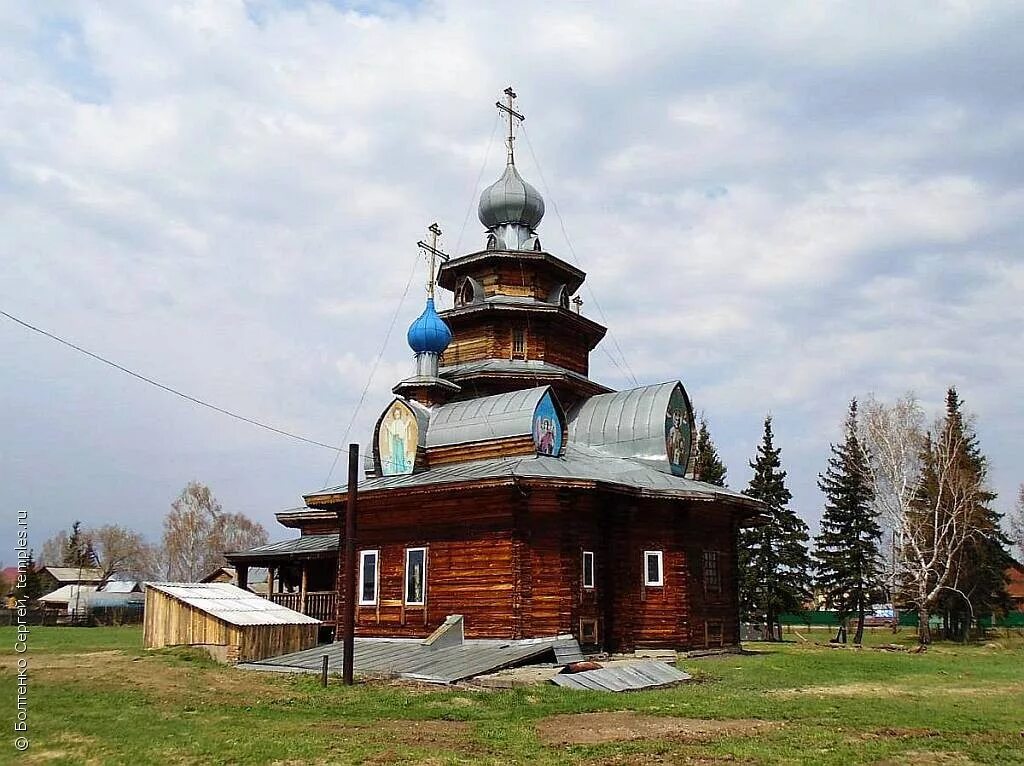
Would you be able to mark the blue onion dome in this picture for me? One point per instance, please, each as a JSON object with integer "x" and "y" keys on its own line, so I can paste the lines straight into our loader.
{"x": 511, "y": 200}
{"x": 429, "y": 332}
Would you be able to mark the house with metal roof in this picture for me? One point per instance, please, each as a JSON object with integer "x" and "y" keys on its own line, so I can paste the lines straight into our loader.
{"x": 508, "y": 487}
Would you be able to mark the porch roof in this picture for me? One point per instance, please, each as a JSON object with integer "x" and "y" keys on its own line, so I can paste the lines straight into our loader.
{"x": 307, "y": 546}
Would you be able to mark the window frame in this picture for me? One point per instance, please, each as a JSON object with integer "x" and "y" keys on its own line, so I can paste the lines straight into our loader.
{"x": 519, "y": 334}
{"x": 707, "y": 556}
{"x": 405, "y": 577}
{"x": 660, "y": 582}
{"x": 593, "y": 571}
{"x": 363, "y": 555}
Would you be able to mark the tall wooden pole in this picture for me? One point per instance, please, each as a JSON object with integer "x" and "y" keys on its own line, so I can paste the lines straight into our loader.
{"x": 348, "y": 625}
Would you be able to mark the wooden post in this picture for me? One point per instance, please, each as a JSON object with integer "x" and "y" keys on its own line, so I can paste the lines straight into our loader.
{"x": 348, "y": 625}
{"x": 270, "y": 583}
{"x": 323, "y": 671}
{"x": 242, "y": 576}
{"x": 303, "y": 587}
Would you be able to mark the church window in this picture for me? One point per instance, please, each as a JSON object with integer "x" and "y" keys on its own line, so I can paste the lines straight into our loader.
{"x": 465, "y": 293}
{"x": 588, "y": 569}
{"x": 712, "y": 574}
{"x": 368, "y": 577}
{"x": 518, "y": 343}
{"x": 654, "y": 573}
{"x": 415, "y": 576}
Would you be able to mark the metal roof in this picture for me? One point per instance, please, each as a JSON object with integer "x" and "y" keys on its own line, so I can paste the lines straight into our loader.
{"x": 577, "y": 464}
{"x": 487, "y": 417}
{"x": 620, "y": 678}
{"x": 307, "y": 544}
{"x": 68, "y": 593}
{"x": 121, "y": 586}
{"x": 542, "y": 371}
{"x": 75, "y": 574}
{"x": 625, "y": 423}
{"x": 410, "y": 658}
{"x": 231, "y": 604}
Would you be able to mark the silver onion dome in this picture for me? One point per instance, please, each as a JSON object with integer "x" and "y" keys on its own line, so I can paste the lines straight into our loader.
{"x": 510, "y": 200}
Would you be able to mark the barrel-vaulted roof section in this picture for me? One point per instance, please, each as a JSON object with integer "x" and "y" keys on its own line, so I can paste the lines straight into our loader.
{"x": 488, "y": 417}
{"x": 624, "y": 423}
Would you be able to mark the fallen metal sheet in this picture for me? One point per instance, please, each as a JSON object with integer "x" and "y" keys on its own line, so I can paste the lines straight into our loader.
{"x": 411, "y": 659}
{"x": 621, "y": 678}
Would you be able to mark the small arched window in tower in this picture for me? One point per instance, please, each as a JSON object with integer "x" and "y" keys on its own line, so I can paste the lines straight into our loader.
{"x": 492, "y": 242}
{"x": 536, "y": 244}
{"x": 518, "y": 343}
{"x": 465, "y": 294}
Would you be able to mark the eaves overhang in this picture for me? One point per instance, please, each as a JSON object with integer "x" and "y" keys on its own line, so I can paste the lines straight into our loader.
{"x": 450, "y": 270}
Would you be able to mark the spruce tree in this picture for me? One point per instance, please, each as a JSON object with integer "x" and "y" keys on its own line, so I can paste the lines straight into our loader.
{"x": 78, "y": 550}
{"x": 774, "y": 563}
{"x": 846, "y": 555}
{"x": 708, "y": 466}
{"x": 981, "y": 566}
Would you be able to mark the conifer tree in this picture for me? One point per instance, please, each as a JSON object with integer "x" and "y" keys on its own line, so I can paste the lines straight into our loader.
{"x": 708, "y": 466}
{"x": 846, "y": 555}
{"x": 78, "y": 550}
{"x": 774, "y": 563}
{"x": 979, "y": 586}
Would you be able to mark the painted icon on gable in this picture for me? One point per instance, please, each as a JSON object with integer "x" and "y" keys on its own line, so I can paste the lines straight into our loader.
{"x": 547, "y": 427}
{"x": 397, "y": 438}
{"x": 678, "y": 431}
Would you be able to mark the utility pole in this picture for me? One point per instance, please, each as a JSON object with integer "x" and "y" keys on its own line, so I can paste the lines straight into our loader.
{"x": 348, "y": 615}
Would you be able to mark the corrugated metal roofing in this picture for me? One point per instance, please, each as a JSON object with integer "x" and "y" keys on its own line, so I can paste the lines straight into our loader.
{"x": 621, "y": 678}
{"x": 625, "y": 423}
{"x": 410, "y": 658}
{"x": 75, "y": 574}
{"x": 232, "y": 604}
{"x": 297, "y": 545}
{"x": 577, "y": 463}
{"x": 121, "y": 586}
{"x": 487, "y": 417}
{"x": 68, "y": 593}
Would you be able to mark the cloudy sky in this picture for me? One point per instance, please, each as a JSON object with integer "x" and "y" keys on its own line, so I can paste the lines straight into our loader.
{"x": 784, "y": 207}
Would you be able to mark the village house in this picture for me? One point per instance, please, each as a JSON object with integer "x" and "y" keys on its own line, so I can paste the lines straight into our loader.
{"x": 509, "y": 487}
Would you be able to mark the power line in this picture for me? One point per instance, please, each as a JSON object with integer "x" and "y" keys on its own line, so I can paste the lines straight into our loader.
{"x": 576, "y": 260}
{"x": 161, "y": 386}
{"x": 373, "y": 371}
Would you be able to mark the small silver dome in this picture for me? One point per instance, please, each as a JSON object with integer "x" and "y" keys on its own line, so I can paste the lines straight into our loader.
{"x": 511, "y": 200}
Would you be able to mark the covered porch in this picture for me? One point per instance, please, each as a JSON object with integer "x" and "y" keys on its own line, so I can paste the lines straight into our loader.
{"x": 301, "y": 573}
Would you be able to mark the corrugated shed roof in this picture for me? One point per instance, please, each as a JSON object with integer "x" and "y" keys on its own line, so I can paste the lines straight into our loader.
{"x": 75, "y": 574}
{"x": 576, "y": 464}
{"x": 488, "y": 417}
{"x": 308, "y": 544}
{"x": 232, "y": 604}
{"x": 121, "y": 586}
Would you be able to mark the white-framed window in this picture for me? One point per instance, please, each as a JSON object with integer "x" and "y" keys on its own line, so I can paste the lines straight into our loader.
{"x": 415, "y": 576}
{"x": 369, "y": 577}
{"x": 518, "y": 343}
{"x": 588, "y": 569}
{"x": 654, "y": 570}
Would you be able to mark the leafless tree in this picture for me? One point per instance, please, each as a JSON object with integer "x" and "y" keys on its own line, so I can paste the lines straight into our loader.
{"x": 925, "y": 496}
{"x": 52, "y": 552}
{"x": 1017, "y": 524}
{"x": 119, "y": 551}
{"x": 197, "y": 532}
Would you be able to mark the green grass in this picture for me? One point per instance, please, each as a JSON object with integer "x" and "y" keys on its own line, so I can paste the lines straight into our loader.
{"x": 96, "y": 697}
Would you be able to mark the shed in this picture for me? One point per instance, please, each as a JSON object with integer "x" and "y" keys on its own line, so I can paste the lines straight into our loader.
{"x": 232, "y": 624}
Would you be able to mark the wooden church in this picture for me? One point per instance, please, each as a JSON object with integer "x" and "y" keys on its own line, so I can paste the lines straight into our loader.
{"x": 510, "y": 488}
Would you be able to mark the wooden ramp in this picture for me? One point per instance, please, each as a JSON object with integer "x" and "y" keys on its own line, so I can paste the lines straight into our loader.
{"x": 413, "y": 659}
{"x": 621, "y": 678}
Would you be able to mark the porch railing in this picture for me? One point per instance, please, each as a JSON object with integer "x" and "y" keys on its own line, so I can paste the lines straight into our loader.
{"x": 320, "y": 604}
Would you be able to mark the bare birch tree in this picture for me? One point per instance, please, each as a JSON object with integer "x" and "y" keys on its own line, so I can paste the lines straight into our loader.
{"x": 1017, "y": 524}
{"x": 925, "y": 496}
{"x": 197, "y": 532}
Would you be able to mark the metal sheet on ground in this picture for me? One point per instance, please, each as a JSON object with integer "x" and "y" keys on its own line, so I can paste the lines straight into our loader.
{"x": 620, "y": 678}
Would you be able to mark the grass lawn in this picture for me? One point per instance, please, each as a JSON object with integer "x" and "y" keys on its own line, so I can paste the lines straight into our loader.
{"x": 96, "y": 697}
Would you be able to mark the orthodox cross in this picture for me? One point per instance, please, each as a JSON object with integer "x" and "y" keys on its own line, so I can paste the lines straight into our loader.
{"x": 432, "y": 254}
{"x": 513, "y": 115}
{"x": 578, "y": 303}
